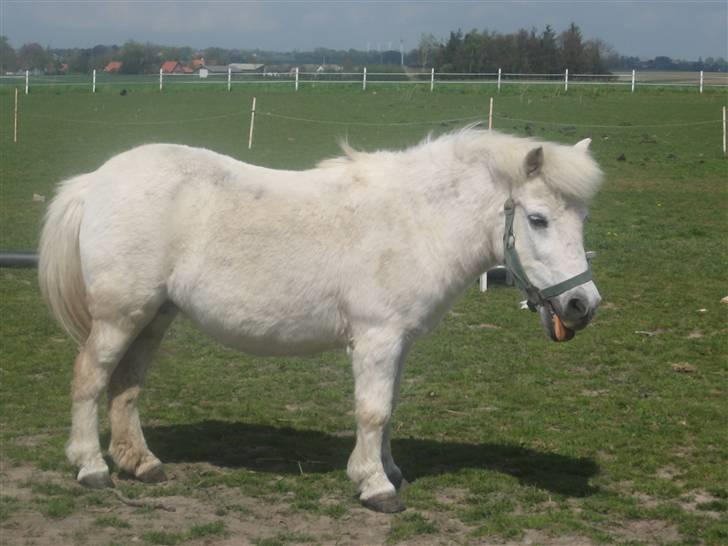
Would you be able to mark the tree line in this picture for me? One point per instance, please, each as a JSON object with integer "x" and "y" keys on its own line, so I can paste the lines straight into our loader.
{"x": 525, "y": 51}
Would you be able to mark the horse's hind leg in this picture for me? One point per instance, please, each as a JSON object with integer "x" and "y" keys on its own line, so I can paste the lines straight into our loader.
{"x": 128, "y": 447}
{"x": 102, "y": 351}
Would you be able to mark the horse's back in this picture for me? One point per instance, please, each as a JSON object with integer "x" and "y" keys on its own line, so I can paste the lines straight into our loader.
{"x": 233, "y": 245}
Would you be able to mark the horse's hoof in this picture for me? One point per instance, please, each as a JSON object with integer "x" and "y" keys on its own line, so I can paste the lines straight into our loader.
{"x": 387, "y": 504}
{"x": 153, "y": 474}
{"x": 95, "y": 480}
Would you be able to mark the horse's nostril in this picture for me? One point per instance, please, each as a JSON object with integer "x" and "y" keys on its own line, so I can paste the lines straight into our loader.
{"x": 577, "y": 308}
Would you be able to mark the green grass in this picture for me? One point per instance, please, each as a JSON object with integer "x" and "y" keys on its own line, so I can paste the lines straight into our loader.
{"x": 497, "y": 429}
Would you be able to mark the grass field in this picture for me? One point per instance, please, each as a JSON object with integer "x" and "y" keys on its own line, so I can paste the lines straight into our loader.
{"x": 617, "y": 437}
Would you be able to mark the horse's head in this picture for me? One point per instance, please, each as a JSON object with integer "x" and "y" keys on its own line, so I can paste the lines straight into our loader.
{"x": 544, "y": 249}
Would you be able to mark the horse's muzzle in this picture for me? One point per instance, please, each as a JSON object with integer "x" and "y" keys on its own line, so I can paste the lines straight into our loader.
{"x": 575, "y": 309}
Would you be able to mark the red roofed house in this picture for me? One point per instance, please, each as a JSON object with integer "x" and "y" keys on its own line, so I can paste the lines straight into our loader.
{"x": 113, "y": 66}
{"x": 172, "y": 67}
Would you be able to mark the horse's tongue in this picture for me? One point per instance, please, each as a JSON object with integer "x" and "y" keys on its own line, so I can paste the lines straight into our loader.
{"x": 561, "y": 332}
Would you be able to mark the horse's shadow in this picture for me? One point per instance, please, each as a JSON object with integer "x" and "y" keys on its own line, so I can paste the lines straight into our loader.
{"x": 290, "y": 451}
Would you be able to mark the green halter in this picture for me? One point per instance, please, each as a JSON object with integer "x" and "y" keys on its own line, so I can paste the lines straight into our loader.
{"x": 536, "y": 297}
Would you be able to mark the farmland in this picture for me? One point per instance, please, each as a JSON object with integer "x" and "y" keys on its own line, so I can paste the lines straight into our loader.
{"x": 616, "y": 437}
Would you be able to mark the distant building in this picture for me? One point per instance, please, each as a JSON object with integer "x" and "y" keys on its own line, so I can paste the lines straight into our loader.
{"x": 172, "y": 67}
{"x": 113, "y": 66}
{"x": 235, "y": 68}
{"x": 246, "y": 67}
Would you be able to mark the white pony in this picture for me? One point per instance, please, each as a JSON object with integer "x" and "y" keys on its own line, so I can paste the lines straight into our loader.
{"x": 366, "y": 252}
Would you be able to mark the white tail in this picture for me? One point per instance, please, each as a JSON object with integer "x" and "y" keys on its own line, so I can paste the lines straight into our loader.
{"x": 59, "y": 262}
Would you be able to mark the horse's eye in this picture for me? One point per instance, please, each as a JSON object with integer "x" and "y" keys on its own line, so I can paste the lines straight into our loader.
{"x": 538, "y": 221}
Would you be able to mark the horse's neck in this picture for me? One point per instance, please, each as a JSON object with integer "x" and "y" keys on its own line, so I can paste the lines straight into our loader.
{"x": 468, "y": 208}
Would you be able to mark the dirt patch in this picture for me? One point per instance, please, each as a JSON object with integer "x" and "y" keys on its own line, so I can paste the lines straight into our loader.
{"x": 648, "y": 532}
{"x": 693, "y": 502}
{"x": 538, "y": 537}
{"x": 235, "y": 518}
{"x": 452, "y": 495}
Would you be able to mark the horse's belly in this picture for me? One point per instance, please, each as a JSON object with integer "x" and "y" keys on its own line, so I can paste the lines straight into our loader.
{"x": 289, "y": 337}
{"x": 276, "y": 325}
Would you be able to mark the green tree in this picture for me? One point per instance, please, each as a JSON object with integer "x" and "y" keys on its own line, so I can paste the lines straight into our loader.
{"x": 8, "y": 58}
{"x": 548, "y": 60}
{"x": 33, "y": 56}
{"x": 572, "y": 50}
{"x": 140, "y": 58}
{"x": 427, "y": 50}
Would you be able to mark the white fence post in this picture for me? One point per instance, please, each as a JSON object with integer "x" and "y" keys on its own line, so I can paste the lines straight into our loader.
{"x": 160, "y": 79}
{"x": 15, "y": 124}
{"x": 252, "y": 124}
{"x": 432, "y": 79}
{"x": 230, "y": 72}
{"x": 93, "y": 85}
{"x": 296, "y": 78}
{"x": 701, "y": 81}
{"x": 633, "y": 79}
{"x": 499, "y": 79}
{"x": 566, "y": 80}
{"x": 490, "y": 115}
{"x": 364, "y": 80}
{"x": 27, "y": 73}
{"x": 724, "y": 142}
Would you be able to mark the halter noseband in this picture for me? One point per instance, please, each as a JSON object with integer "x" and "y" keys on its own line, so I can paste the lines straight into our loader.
{"x": 535, "y": 296}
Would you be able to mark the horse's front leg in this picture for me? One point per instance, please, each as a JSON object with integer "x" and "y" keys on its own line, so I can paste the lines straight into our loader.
{"x": 376, "y": 361}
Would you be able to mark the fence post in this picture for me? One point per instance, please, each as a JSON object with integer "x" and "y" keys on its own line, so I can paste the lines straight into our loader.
{"x": 27, "y": 73}
{"x": 160, "y": 79}
{"x": 490, "y": 115}
{"x": 364, "y": 80}
{"x": 701, "y": 82}
{"x": 432, "y": 79}
{"x": 633, "y": 79}
{"x": 93, "y": 85}
{"x": 15, "y": 125}
{"x": 252, "y": 124}
{"x": 229, "y": 78}
{"x": 566, "y": 80}
{"x": 724, "y": 141}
{"x": 296, "y": 78}
{"x": 499, "y": 79}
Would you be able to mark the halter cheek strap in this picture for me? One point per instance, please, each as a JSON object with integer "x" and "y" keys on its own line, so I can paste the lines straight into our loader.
{"x": 536, "y": 297}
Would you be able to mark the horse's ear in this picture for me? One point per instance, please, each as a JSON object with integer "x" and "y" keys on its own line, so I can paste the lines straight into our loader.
{"x": 583, "y": 145}
{"x": 534, "y": 162}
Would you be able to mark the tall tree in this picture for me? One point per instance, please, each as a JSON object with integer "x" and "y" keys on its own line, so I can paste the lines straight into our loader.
{"x": 8, "y": 58}
{"x": 427, "y": 49}
{"x": 33, "y": 56}
{"x": 572, "y": 50}
{"x": 548, "y": 61}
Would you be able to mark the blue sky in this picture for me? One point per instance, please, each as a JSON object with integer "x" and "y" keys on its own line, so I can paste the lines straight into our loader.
{"x": 685, "y": 29}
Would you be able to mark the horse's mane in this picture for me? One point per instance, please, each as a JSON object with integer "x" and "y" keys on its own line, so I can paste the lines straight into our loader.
{"x": 566, "y": 169}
